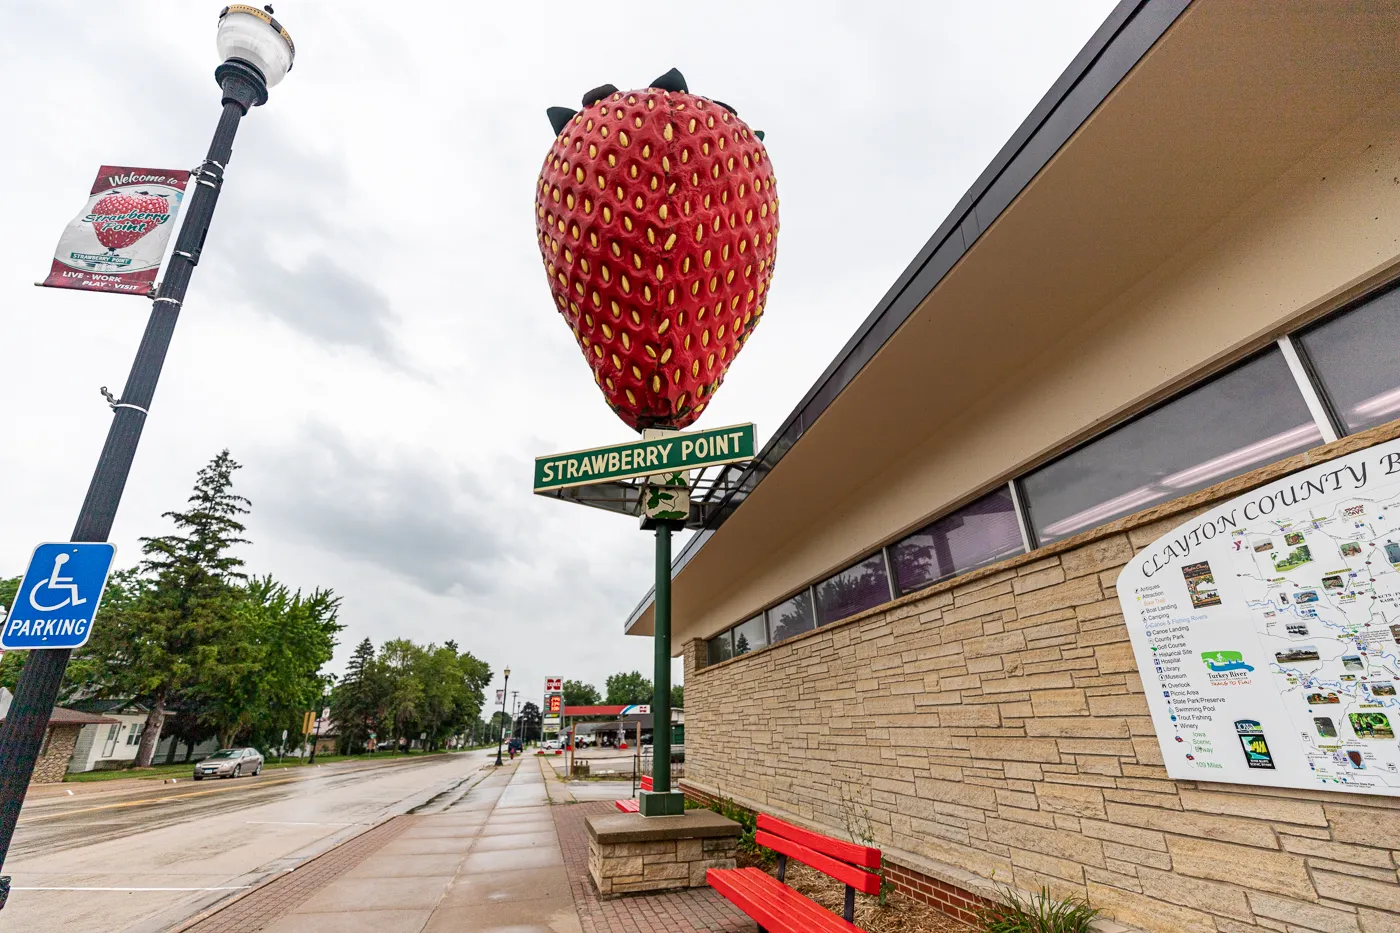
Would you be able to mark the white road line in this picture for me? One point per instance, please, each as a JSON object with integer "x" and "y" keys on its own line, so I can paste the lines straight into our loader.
{"x": 240, "y": 887}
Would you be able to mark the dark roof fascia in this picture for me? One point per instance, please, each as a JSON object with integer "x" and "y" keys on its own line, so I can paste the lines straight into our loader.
{"x": 1116, "y": 47}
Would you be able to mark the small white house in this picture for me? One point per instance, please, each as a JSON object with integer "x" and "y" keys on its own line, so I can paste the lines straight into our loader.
{"x": 102, "y": 747}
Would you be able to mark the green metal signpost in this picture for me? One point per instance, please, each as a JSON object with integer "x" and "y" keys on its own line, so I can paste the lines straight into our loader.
{"x": 664, "y": 458}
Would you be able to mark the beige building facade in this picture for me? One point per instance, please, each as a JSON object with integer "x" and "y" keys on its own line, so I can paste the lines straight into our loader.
{"x": 1177, "y": 282}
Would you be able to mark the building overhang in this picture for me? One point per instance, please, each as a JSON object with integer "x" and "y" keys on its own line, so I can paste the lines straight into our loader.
{"x": 1173, "y": 120}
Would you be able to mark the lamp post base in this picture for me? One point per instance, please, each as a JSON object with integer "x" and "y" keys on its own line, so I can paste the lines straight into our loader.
{"x": 661, "y": 803}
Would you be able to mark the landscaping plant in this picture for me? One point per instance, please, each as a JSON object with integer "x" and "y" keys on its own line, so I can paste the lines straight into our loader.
{"x": 1041, "y": 912}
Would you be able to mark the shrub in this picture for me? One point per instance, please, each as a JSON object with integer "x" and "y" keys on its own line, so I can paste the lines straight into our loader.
{"x": 748, "y": 823}
{"x": 1041, "y": 912}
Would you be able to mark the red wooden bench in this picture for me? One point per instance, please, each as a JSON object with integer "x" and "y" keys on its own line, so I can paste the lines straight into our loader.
{"x": 778, "y": 908}
{"x": 633, "y": 805}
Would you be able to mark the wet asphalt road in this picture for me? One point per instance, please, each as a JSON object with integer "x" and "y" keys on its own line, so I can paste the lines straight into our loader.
{"x": 140, "y": 858}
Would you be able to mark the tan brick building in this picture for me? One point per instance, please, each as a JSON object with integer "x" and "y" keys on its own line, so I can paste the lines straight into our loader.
{"x": 1176, "y": 283}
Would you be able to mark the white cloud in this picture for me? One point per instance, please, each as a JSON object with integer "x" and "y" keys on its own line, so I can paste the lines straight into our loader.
{"x": 370, "y": 332}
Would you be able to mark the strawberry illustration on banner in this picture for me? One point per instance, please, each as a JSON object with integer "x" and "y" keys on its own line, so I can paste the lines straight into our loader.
{"x": 117, "y": 241}
{"x": 657, "y": 219}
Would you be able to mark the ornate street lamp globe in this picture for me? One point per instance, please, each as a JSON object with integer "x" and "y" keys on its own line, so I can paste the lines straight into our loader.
{"x": 251, "y": 36}
{"x": 507, "y": 672}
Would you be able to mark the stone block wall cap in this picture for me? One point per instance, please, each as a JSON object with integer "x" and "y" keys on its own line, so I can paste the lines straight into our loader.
{"x": 633, "y": 827}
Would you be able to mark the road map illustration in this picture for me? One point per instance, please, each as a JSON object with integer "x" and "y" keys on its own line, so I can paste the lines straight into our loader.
{"x": 1267, "y": 632}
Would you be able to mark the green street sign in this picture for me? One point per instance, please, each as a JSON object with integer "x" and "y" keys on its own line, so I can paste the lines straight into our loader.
{"x": 674, "y": 452}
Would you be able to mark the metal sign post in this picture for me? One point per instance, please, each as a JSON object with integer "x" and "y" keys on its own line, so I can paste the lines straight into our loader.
{"x": 661, "y": 461}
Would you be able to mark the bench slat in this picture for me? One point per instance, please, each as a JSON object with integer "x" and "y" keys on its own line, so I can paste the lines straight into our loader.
{"x": 857, "y": 878}
{"x": 776, "y": 907}
{"x": 864, "y": 856}
{"x": 628, "y": 806}
{"x": 646, "y": 782}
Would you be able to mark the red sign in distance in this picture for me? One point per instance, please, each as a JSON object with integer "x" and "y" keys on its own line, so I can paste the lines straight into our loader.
{"x": 553, "y": 684}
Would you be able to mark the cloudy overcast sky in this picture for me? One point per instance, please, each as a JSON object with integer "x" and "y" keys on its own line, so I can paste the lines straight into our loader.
{"x": 370, "y": 332}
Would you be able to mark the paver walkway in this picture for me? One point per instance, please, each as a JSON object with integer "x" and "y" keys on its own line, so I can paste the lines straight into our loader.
{"x": 490, "y": 862}
{"x": 501, "y": 859}
{"x": 674, "y": 912}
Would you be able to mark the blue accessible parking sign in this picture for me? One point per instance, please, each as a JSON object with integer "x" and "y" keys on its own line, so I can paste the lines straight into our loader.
{"x": 58, "y": 598}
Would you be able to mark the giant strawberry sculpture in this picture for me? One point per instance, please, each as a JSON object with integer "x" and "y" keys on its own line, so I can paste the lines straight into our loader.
{"x": 657, "y": 215}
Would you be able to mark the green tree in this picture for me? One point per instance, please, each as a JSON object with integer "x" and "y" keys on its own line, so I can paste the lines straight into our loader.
{"x": 401, "y": 664}
{"x": 269, "y": 675}
{"x": 578, "y": 693}
{"x": 628, "y": 688}
{"x": 13, "y": 661}
{"x": 678, "y": 696}
{"x": 358, "y": 701}
{"x": 179, "y": 625}
{"x": 531, "y": 723}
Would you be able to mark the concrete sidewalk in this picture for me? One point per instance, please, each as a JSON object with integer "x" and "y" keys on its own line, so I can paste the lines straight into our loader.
{"x": 490, "y": 862}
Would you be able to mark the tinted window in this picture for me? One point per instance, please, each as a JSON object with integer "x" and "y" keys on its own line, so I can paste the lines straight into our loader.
{"x": 853, "y": 589}
{"x": 791, "y": 618}
{"x": 750, "y": 636}
{"x": 720, "y": 648}
{"x": 1246, "y": 418}
{"x": 1356, "y": 357}
{"x": 976, "y": 534}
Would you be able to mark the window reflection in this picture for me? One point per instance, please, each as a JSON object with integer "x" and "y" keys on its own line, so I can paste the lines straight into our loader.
{"x": 1356, "y": 357}
{"x": 720, "y": 648}
{"x": 852, "y": 590}
{"x": 1246, "y": 418}
{"x": 978, "y": 533}
{"x": 750, "y": 635}
{"x": 792, "y": 617}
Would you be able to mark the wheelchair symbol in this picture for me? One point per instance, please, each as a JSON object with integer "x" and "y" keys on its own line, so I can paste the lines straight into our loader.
{"x": 56, "y": 582}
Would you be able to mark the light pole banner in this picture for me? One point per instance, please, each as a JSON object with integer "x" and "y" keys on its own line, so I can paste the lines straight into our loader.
{"x": 117, "y": 241}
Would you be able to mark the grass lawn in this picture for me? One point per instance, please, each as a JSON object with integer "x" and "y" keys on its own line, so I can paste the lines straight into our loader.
{"x": 158, "y": 772}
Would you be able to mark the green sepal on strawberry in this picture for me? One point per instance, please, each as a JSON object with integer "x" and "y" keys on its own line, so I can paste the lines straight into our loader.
{"x": 657, "y": 219}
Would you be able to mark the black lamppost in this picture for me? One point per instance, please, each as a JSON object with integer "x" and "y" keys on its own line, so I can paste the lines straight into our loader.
{"x": 257, "y": 54}
{"x": 501, "y": 733}
{"x": 321, "y": 707}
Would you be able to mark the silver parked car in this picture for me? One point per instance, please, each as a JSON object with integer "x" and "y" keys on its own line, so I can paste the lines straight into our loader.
{"x": 229, "y": 762}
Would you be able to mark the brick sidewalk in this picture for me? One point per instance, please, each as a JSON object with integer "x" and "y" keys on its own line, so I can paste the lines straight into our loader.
{"x": 265, "y": 904}
{"x": 691, "y": 911}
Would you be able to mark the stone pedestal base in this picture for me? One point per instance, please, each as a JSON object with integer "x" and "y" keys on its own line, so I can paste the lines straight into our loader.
{"x": 629, "y": 853}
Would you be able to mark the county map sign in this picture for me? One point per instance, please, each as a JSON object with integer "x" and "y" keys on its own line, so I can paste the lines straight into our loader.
{"x": 669, "y": 454}
{"x": 1267, "y": 631}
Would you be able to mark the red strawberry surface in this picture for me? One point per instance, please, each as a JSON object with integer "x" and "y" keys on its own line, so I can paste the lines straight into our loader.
{"x": 121, "y": 218}
{"x": 657, "y": 219}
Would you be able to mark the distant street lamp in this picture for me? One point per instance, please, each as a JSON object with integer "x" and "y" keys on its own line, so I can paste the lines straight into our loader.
{"x": 501, "y": 732}
{"x": 257, "y": 54}
{"x": 321, "y": 708}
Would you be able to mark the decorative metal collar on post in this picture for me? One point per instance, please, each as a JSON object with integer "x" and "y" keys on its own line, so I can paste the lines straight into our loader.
{"x": 257, "y": 54}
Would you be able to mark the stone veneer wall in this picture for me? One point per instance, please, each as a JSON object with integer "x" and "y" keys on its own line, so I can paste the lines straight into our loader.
{"x": 53, "y": 764}
{"x": 995, "y": 728}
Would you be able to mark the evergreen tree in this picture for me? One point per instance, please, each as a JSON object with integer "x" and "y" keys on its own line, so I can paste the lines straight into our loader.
{"x": 180, "y": 626}
{"x": 530, "y": 727}
{"x": 356, "y": 702}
